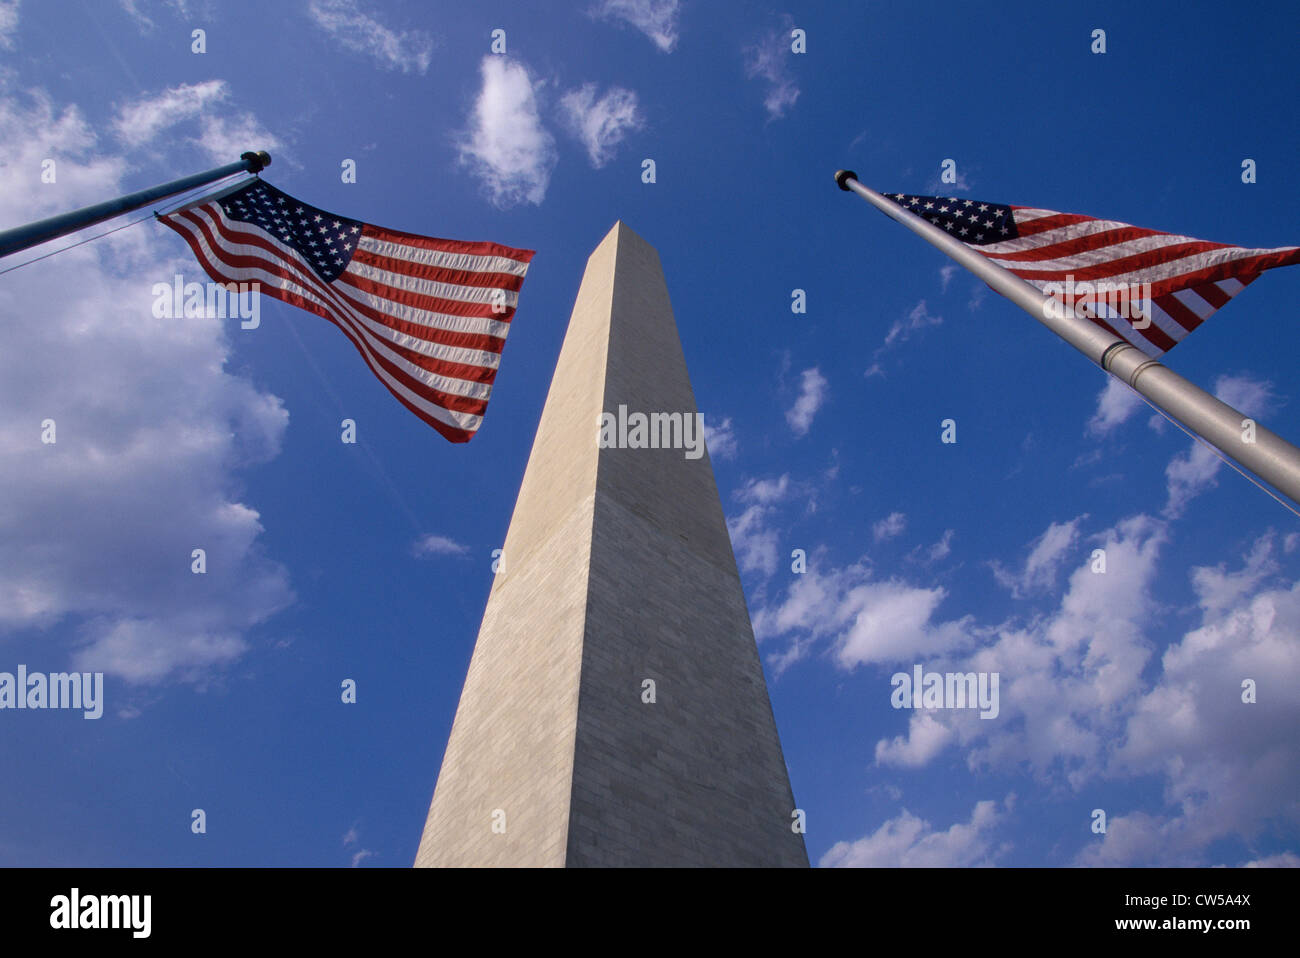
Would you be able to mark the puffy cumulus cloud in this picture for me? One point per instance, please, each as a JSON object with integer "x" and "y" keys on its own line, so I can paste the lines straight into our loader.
{"x": 600, "y": 124}
{"x": 219, "y": 132}
{"x": 151, "y": 432}
{"x": 768, "y": 60}
{"x": 506, "y": 146}
{"x": 863, "y": 620}
{"x": 1067, "y": 679}
{"x": 1116, "y": 404}
{"x": 409, "y": 51}
{"x": 907, "y": 841}
{"x": 925, "y": 739}
{"x": 657, "y": 19}
{"x": 1230, "y": 768}
{"x": 1046, "y": 556}
{"x": 1191, "y": 473}
{"x": 813, "y": 392}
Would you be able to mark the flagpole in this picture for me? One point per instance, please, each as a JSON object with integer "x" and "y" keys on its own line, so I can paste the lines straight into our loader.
{"x": 1269, "y": 456}
{"x": 33, "y": 234}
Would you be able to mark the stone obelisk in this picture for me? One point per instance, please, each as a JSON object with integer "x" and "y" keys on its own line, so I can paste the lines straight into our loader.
{"x": 615, "y": 712}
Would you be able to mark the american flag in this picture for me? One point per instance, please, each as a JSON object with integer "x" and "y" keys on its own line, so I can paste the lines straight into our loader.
{"x": 1188, "y": 278}
{"x": 429, "y": 316}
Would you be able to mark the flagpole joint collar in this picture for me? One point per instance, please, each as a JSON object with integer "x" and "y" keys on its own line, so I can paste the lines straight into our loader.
{"x": 256, "y": 161}
{"x": 842, "y": 177}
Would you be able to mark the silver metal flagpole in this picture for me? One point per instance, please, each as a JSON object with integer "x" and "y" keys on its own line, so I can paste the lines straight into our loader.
{"x": 33, "y": 234}
{"x": 1270, "y": 456}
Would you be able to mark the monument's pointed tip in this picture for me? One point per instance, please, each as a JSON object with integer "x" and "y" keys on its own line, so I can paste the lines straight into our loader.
{"x": 621, "y": 232}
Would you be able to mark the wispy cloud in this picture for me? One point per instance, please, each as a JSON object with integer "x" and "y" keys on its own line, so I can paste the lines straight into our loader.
{"x": 506, "y": 146}
{"x": 1116, "y": 404}
{"x": 8, "y": 22}
{"x": 435, "y": 545}
{"x": 143, "y": 119}
{"x": 720, "y": 439}
{"x": 600, "y": 124}
{"x": 889, "y": 527}
{"x": 813, "y": 392}
{"x": 1048, "y": 552}
{"x": 410, "y": 51}
{"x": 919, "y": 318}
{"x": 657, "y": 19}
{"x": 1191, "y": 473}
{"x": 768, "y": 59}
{"x": 219, "y": 132}
{"x": 352, "y": 839}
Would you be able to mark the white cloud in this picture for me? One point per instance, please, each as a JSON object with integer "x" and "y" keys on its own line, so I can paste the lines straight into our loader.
{"x": 142, "y": 120}
{"x": 946, "y": 273}
{"x": 911, "y": 842}
{"x": 224, "y": 138}
{"x": 925, "y": 739}
{"x": 889, "y": 527}
{"x": 1280, "y": 860}
{"x": 152, "y": 432}
{"x": 657, "y": 19}
{"x": 8, "y": 22}
{"x": 768, "y": 60}
{"x": 866, "y": 621}
{"x": 919, "y": 318}
{"x": 409, "y": 51}
{"x": 1116, "y": 403}
{"x": 354, "y": 838}
{"x": 221, "y": 136}
{"x": 1066, "y": 679}
{"x": 182, "y": 7}
{"x": 507, "y": 147}
{"x": 1191, "y": 473}
{"x": 1049, "y": 551}
{"x": 1230, "y": 768}
{"x": 435, "y": 545}
{"x": 943, "y": 548}
{"x": 754, "y": 542}
{"x": 720, "y": 440}
{"x": 600, "y": 124}
{"x": 764, "y": 491}
{"x": 813, "y": 391}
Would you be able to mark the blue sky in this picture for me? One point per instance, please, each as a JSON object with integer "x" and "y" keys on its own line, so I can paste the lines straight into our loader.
{"x": 1119, "y": 691}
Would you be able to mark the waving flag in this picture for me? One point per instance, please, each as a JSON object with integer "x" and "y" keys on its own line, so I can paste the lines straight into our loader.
{"x": 429, "y": 316}
{"x": 1110, "y": 266}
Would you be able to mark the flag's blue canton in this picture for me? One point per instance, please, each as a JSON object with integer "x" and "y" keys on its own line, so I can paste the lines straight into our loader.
{"x": 324, "y": 240}
{"x": 972, "y": 222}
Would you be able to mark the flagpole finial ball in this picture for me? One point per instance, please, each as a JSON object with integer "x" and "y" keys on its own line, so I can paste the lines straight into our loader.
{"x": 256, "y": 161}
{"x": 842, "y": 176}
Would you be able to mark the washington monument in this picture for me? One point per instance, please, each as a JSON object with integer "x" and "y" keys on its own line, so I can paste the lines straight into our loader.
{"x": 615, "y": 712}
